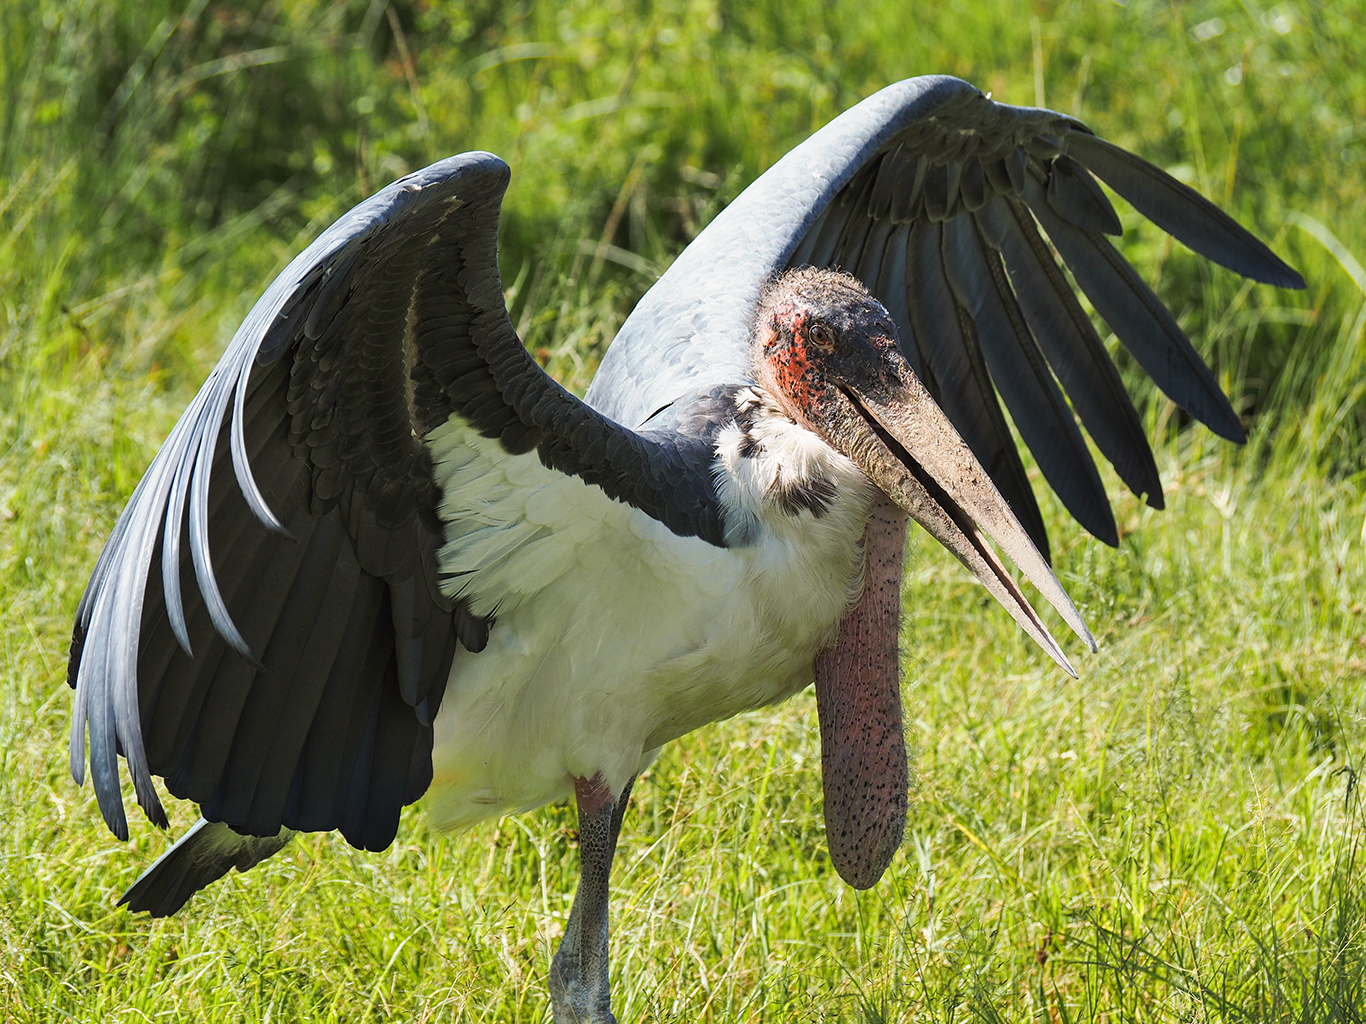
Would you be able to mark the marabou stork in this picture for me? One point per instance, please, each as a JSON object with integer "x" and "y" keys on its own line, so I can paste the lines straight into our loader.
{"x": 383, "y": 554}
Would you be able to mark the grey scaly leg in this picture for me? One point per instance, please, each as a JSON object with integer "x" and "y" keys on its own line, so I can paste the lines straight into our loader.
{"x": 578, "y": 974}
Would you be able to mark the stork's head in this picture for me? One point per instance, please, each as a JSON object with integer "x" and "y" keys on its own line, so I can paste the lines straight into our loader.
{"x": 827, "y": 352}
{"x": 818, "y": 332}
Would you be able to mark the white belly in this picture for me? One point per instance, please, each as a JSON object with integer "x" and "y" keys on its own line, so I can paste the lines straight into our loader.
{"x": 612, "y": 635}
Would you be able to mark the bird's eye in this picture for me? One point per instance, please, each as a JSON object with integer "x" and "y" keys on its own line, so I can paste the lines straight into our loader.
{"x": 823, "y": 336}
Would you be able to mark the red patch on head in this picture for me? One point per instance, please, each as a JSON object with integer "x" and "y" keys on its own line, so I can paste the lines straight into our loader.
{"x": 789, "y": 362}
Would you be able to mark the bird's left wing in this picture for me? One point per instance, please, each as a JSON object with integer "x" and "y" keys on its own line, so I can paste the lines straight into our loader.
{"x": 266, "y": 626}
{"x": 939, "y": 200}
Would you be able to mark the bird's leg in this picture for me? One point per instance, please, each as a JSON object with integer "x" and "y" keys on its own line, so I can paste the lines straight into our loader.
{"x": 578, "y": 975}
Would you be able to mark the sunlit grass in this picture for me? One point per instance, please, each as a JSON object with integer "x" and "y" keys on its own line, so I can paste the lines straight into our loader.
{"x": 1178, "y": 829}
{"x": 1175, "y": 836}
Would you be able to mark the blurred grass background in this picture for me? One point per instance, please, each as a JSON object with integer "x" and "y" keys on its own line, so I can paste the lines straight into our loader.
{"x": 1175, "y": 837}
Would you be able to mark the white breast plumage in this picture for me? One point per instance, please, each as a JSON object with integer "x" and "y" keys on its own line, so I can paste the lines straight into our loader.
{"x": 613, "y": 635}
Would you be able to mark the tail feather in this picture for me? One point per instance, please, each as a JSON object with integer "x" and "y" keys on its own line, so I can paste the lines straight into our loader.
{"x": 203, "y": 855}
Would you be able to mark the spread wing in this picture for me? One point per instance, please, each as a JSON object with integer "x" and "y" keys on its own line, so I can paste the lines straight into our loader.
{"x": 951, "y": 208}
{"x": 265, "y": 628}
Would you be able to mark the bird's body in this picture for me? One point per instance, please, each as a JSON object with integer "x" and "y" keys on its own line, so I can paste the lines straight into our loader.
{"x": 383, "y": 554}
{"x": 614, "y": 635}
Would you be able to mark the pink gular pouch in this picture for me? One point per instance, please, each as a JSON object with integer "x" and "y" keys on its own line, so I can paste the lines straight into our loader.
{"x": 858, "y": 700}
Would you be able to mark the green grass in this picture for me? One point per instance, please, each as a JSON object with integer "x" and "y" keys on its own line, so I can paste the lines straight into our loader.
{"x": 1176, "y": 836}
{"x": 1177, "y": 830}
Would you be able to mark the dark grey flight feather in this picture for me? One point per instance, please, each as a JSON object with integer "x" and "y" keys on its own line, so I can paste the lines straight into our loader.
{"x": 1182, "y": 212}
{"x": 204, "y": 854}
{"x": 1074, "y": 194}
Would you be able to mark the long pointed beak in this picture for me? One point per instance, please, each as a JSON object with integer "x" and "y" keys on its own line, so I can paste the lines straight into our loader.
{"x": 908, "y": 447}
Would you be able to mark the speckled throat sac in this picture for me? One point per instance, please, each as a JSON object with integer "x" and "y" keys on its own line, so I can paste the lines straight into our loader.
{"x": 858, "y": 700}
